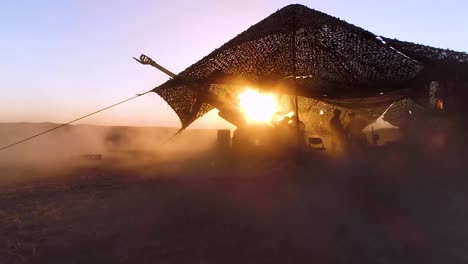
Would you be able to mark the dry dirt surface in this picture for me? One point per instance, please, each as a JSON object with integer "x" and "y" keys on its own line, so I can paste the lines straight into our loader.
{"x": 341, "y": 212}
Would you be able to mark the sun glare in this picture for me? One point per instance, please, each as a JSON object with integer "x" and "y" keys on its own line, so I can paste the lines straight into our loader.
{"x": 257, "y": 107}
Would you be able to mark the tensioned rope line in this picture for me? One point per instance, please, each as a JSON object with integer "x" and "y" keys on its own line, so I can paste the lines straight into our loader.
{"x": 77, "y": 119}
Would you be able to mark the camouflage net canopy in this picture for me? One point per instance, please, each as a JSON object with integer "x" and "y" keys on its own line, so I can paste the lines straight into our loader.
{"x": 327, "y": 62}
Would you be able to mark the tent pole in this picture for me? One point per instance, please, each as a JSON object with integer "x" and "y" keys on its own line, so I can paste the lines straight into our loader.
{"x": 294, "y": 73}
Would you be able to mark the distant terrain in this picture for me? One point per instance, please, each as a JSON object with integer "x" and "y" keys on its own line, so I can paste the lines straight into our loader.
{"x": 72, "y": 144}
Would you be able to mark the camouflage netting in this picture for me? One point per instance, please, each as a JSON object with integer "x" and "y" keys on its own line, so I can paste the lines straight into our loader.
{"x": 333, "y": 62}
{"x": 316, "y": 114}
{"x": 426, "y": 54}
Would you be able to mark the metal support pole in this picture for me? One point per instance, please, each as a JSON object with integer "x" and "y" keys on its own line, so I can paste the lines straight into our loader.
{"x": 294, "y": 73}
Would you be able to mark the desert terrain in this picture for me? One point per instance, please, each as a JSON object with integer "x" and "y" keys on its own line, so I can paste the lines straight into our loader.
{"x": 90, "y": 194}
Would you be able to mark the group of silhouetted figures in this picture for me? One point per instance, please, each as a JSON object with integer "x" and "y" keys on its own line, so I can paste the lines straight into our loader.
{"x": 289, "y": 133}
{"x": 349, "y": 137}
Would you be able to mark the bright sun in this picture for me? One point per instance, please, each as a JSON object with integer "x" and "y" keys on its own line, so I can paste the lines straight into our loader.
{"x": 257, "y": 107}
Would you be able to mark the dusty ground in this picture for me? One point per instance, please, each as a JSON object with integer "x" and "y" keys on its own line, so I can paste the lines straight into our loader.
{"x": 182, "y": 203}
{"x": 339, "y": 212}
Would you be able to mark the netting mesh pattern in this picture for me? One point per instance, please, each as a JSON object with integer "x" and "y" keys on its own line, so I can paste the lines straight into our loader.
{"x": 333, "y": 61}
{"x": 426, "y": 54}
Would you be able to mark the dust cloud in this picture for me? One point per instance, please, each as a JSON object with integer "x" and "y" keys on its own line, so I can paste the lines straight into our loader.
{"x": 77, "y": 146}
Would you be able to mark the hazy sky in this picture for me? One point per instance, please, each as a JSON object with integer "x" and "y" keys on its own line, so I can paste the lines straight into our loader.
{"x": 62, "y": 59}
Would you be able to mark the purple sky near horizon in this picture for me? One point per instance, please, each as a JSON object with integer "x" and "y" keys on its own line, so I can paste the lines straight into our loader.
{"x": 63, "y": 59}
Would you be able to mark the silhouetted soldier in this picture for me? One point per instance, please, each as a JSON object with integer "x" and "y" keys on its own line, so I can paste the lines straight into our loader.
{"x": 409, "y": 129}
{"x": 284, "y": 133}
{"x": 240, "y": 140}
{"x": 298, "y": 131}
{"x": 337, "y": 131}
{"x": 356, "y": 137}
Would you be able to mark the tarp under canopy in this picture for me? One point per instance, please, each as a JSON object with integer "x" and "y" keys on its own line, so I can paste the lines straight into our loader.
{"x": 332, "y": 61}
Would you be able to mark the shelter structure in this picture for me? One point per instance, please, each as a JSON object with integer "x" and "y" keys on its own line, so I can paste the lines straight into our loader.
{"x": 328, "y": 63}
